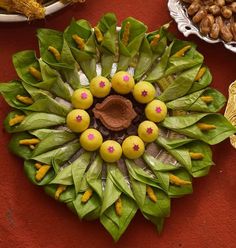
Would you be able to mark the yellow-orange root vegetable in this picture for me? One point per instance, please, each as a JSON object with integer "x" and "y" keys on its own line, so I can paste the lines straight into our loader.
{"x": 125, "y": 37}
{"x": 205, "y": 126}
{"x": 151, "y": 194}
{"x": 16, "y": 120}
{"x": 178, "y": 181}
{"x": 196, "y": 155}
{"x": 59, "y": 191}
{"x": 55, "y": 52}
{"x": 41, "y": 172}
{"x": 24, "y": 99}
{"x": 207, "y": 99}
{"x": 29, "y": 142}
{"x": 79, "y": 41}
{"x": 182, "y": 52}
{"x": 87, "y": 195}
{"x": 118, "y": 207}
{"x": 35, "y": 73}
{"x": 200, "y": 73}
{"x": 98, "y": 34}
{"x": 155, "y": 40}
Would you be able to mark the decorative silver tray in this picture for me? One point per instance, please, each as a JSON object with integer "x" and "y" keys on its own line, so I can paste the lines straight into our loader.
{"x": 185, "y": 25}
{"x": 50, "y": 8}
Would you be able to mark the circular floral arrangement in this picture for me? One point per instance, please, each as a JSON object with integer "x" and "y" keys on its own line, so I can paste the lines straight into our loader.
{"x": 112, "y": 120}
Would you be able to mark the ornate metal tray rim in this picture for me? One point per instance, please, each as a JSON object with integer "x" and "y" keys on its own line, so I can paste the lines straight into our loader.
{"x": 50, "y": 8}
{"x": 185, "y": 26}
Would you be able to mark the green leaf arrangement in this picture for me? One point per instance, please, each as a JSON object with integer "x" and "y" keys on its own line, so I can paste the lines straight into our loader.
{"x": 54, "y": 158}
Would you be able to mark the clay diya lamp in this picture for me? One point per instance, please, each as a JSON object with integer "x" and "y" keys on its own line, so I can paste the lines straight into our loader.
{"x": 115, "y": 112}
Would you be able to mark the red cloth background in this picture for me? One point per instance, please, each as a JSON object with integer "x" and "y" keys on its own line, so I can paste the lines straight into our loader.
{"x": 30, "y": 219}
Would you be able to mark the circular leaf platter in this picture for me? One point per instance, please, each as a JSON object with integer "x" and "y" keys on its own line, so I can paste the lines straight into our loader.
{"x": 54, "y": 156}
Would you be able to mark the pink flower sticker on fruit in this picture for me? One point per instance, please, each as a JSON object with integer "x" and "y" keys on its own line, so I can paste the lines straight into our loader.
{"x": 82, "y": 98}
{"x": 156, "y": 111}
{"x": 133, "y": 147}
{"x": 144, "y": 92}
{"x": 110, "y": 151}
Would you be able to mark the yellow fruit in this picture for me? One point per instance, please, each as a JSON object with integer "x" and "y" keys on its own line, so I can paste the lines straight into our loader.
{"x": 133, "y": 147}
{"x": 156, "y": 111}
{"x": 91, "y": 139}
{"x": 122, "y": 82}
{"x": 82, "y": 98}
{"x": 110, "y": 151}
{"x": 148, "y": 131}
{"x": 78, "y": 120}
{"x": 100, "y": 86}
{"x": 144, "y": 92}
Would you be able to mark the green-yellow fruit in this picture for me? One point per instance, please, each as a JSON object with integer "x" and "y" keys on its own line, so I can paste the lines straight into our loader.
{"x": 91, "y": 139}
{"x": 156, "y": 111}
{"x": 148, "y": 131}
{"x": 144, "y": 92}
{"x": 122, "y": 82}
{"x": 82, "y": 98}
{"x": 133, "y": 147}
{"x": 110, "y": 151}
{"x": 78, "y": 120}
{"x": 100, "y": 86}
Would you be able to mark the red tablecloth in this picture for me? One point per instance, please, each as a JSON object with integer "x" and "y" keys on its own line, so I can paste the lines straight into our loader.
{"x": 29, "y": 218}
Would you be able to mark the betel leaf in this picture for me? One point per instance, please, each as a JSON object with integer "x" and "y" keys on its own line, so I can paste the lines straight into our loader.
{"x": 107, "y": 47}
{"x": 22, "y": 151}
{"x": 136, "y": 34}
{"x": 119, "y": 180}
{"x": 33, "y": 121}
{"x": 194, "y": 102}
{"x": 66, "y": 196}
{"x": 50, "y": 37}
{"x": 180, "y": 86}
{"x": 140, "y": 174}
{"x": 53, "y": 82}
{"x": 22, "y": 61}
{"x": 78, "y": 168}
{"x": 202, "y": 83}
{"x": 87, "y": 56}
{"x": 52, "y": 141}
{"x": 61, "y": 154}
{"x": 67, "y": 64}
{"x": 30, "y": 171}
{"x": 43, "y": 102}
{"x": 63, "y": 177}
{"x": 158, "y": 71}
{"x": 116, "y": 225}
{"x": 10, "y": 90}
{"x": 44, "y": 132}
{"x": 190, "y": 58}
{"x": 187, "y": 125}
{"x": 164, "y": 170}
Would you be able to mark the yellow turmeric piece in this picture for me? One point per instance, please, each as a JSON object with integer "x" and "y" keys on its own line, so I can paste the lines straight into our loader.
{"x": 55, "y": 52}
{"x": 41, "y": 172}
{"x": 16, "y": 120}
{"x": 126, "y": 34}
{"x": 118, "y": 206}
{"x": 35, "y": 73}
{"x": 155, "y": 40}
{"x": 98, "y": 34}
{"x": 182, "y": 52}
{"x": 24, "y": 99}
{"x": 196, "y": 155}
{"x": 87, "y": 195}
{"x": 37, "y": 166}
{"x": 207, "y": 99}
{"x": 29, "y": 142}
{"x": 79, "y": 41}
{"x": 205, "y": 127}
{"x": 59, "y": 191}
{"x": 151, "y": 194}
{"x": 200, "y": 73}
{"x": 178, "y": 181}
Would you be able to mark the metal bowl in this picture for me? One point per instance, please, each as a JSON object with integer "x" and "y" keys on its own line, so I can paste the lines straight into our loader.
{"x": 50, "y": 7}
{"x": 179, "y": 13}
